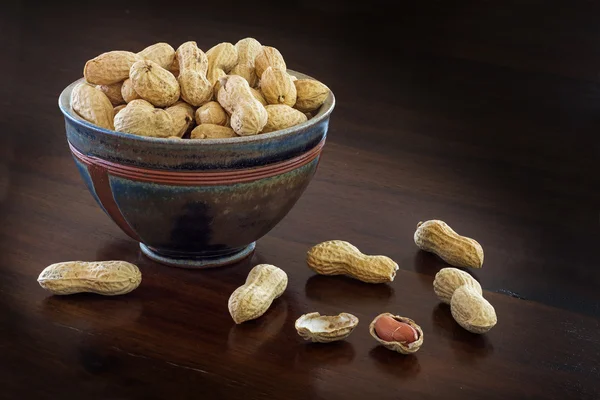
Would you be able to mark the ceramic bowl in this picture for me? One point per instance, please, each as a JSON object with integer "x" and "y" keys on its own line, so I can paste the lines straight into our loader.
{"x": 196, "y": 203}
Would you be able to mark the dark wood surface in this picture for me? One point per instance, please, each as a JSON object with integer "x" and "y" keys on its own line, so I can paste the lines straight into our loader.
{"x": 483, "y": 114}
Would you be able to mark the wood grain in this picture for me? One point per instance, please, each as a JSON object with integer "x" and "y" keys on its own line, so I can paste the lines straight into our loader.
{"x": 482, "y": 115}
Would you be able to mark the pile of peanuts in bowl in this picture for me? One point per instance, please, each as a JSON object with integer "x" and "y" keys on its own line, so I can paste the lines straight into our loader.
{"x": 232, "y": 90}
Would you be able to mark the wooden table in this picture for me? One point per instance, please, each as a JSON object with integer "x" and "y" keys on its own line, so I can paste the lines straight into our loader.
{"x": 482, "y": 115}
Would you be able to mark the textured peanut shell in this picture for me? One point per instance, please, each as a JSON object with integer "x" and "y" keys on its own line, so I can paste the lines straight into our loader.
{"x": 247, "y": 50}
{"x": 108, "y": 278}
{"x": 196, "y": 89}
{"x": 212, "y": 131}
{"x": 183, "y": 116}
{"x": 437, "y": 237}
{"x": 113, "y": 92}
{"x": 212, "y": 113}
{"x": 268, "y": 57}
{"x": 399, "y": 347}
{"x": 161, "y": 53}
{"x": 141, "y": 118}
{"x": 281, "y": 117}
{"x": 447, "y": 280}
{"x": 472, "y": 311}
{"x": 221, "y": 59}
{"x": 310, "y": 94}
{"x": 246, "y": 71}
{"x": 128, "y": 92}
{"x": 190, "y": 56}
{"x": 337, "y": 257}
{"x": 154, "y": 83}
{"x": 109, "y": 68}
{"x": 278, "y": 87}
{"x": 92, "y": 105}
{"x": 174, "y": 68}
{"x": 118, "y": 108}
{"x": 258, "y": 96}
{"x": 264, "y": 284}
{"x": 325, "y": 329}
{"x": 247, "y": 115}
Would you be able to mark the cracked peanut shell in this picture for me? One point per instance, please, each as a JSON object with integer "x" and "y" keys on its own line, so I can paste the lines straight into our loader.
{"x": 325, "y": 329}
{"x": 403, "y": 348}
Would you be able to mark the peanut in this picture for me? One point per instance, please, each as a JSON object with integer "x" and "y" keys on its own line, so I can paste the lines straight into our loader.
{"x": 154, "y": 83}
{"x": 118, "y": 108}
{"x": 174, "y": 68}
{"x": 447, "y": 280}
{"x": 221, "y": 59}
{"x": 390, "y": 330}
{"x": 183, "y": 116}
{"x": 212, "y": 113}
{"x": 258, "y": 96}
{"x": 92, "y": 105}
{"x": 247, "y": 50}
{"x": 193, "y": 65}
{"x": 281, "y": 117}
{"x": 141, "y": 118}
{"x": 337, "y": 257}
{"x": 310, "y": 94}
{"x": 278, "y": 87}
{"x": 472, "y": 311}
{"x": 247, "y": 115}
{"x": 108, "y": 278}
{"x": 161, "y": 53}
{"x": 437, "y": 237}
{"x": 211, "y": 131}
{"x": 397, "y": 333}
{"x": 128, "y": 92}
{"x": 325, "y": 329}
{"x": 264, "y": 284}
{"x": 268, "y": 57}
{"x": 109, "y": 68}
{"x": 113, "y": 92}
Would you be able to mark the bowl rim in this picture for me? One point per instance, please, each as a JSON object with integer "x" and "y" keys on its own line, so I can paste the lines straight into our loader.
{"x": 64, "y": 103}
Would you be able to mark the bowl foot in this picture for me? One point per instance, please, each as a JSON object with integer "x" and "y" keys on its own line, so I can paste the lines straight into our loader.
{"x": 194, "y": 261}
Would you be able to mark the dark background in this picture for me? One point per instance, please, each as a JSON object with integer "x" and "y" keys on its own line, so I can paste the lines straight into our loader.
{"x": 483, "y": 114}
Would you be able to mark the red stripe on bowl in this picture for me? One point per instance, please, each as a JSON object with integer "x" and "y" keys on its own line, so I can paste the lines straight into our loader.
{"x": 197, "y": 178}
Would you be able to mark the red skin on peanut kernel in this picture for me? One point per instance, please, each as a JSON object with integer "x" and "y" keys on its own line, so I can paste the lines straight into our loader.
{"x": 391, "y": 330}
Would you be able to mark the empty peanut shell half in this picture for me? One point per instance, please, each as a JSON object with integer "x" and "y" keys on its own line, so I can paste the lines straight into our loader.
{"x": 324, "y": 329}
{"x": 397, "y": 333}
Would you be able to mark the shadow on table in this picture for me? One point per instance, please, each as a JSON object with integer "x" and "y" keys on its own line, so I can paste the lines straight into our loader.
{"x": 399, "y": 365}
{"x": 427, "y": 265}
{"x": 467, "y": 346}
{"x": 342, "y": 288}
{"x": 325, "y": 354}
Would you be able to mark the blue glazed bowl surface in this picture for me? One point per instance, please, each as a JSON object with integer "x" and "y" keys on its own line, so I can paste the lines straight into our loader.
{"x": 196, "y": 203}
